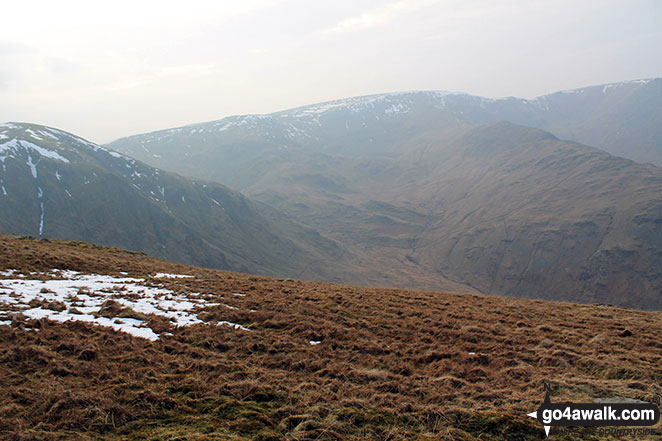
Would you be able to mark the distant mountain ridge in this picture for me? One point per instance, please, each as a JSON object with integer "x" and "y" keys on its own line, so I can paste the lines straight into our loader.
{"x": 438, "y": 183}
{"x": 621, "y": 118}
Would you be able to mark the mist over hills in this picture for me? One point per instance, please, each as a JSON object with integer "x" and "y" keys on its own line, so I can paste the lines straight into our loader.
{"x": 430, "y": 184}
{"x": 623, "y": 119}
{"x": 57, "y": 185}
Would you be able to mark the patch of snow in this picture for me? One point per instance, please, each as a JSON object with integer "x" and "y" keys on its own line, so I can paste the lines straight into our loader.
{"x": 44, "y": 152}
{"x": 314, "y": 342}
{"x": 32, "y": 165}
{"x": 172, "y": 276}
{"x": 47, "y": 134}
{"x": 41, "y": 219}
{"x": 87, "y": 292}
{"x": 234, "y": 325}
{"x": 572, "y": 91}
{"x": 4, "y": 191}
{"x": 13, "y": 145}
{"x": 33, "y": 135}
{"x": 58, "y": 176}
{"x": 67, "y": 192}
{"x": 397, "y": 108}
{"x": 63, "y": 316}
{"x": 239, "y": 294}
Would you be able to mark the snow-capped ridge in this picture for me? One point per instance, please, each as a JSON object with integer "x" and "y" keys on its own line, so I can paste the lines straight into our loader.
{"x": 49, "y": 142}
{"x": 394, "y": 102}
{"x": 603, "y": 87}
{"x": 15, "y": 144}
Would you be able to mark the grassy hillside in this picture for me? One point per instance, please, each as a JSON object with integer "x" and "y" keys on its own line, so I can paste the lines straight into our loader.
{"x": 316, "y": 361}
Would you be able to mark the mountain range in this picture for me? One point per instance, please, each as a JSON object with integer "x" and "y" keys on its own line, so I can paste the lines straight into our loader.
{"x": 54, "y": 184}
{"x": 440, "y": 185}
{"x": 430, "y": 190}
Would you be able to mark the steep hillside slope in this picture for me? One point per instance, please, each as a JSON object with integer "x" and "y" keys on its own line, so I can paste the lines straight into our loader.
{"x": 273, "y": 359}
{"x": 506, "y": 209}
{"x": 54, "y": 184}
{"x": 515, "y": 211}
{"x": 427, "y": 178}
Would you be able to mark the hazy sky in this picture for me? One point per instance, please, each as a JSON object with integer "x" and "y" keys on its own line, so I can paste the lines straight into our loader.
{"x": 109, "y": 69}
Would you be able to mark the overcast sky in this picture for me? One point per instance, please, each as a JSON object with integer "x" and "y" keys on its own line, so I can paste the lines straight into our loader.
{"x": 109, "y": 69}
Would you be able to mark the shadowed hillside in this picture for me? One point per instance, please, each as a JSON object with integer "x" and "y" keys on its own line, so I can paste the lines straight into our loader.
{"x": 424, "y": 184}
{"x": 54, "y": 184}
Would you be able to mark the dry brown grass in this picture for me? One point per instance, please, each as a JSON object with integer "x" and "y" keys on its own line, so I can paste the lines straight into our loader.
{"x": 391, "y": 365}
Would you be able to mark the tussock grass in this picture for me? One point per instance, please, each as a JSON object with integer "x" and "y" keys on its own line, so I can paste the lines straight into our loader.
{"x": 391, "y": 365}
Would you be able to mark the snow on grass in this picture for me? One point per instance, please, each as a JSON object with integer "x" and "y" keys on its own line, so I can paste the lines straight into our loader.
{"x": 14, "y": 145}
{"x": 115, "y": 154}
{"x": 133, "y": 327}
{"x": 314, "y": 342}
{"x": 234, "y": 325}
{"x": 171, "y": 276}
{"x": 48, "y": 135}
{"x": 8, "y": 272}
{"x": 33, "y": 134}
{"x": 70, "y": 295}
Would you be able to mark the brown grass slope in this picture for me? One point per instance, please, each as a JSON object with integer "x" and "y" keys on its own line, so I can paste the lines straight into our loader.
{"x": 391, "y": 365}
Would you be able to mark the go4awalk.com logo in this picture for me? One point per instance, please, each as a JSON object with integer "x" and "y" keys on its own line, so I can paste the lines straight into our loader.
{"x": 600, "y": 414}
